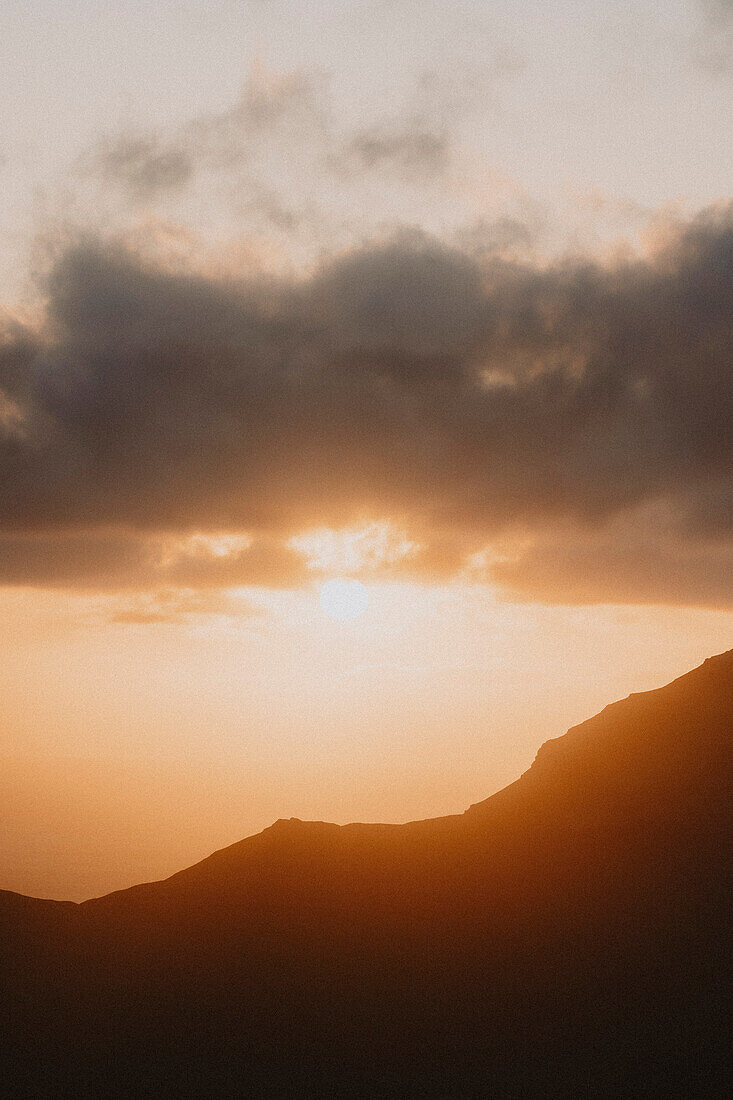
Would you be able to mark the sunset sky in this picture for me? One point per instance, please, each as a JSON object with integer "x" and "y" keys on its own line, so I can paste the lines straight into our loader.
{"x": 433, "y": 295}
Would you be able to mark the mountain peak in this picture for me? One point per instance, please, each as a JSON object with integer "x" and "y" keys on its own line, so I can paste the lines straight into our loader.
{"x": 645, "y": 735}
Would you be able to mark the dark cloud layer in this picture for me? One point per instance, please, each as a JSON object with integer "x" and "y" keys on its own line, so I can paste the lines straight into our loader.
{"x": 459, "y": 397}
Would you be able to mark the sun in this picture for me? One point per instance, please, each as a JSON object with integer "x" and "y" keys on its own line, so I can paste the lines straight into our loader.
{"x": 344, "y": 599}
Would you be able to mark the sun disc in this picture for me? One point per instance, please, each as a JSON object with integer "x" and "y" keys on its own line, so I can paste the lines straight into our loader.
{"x": 344, "y": 599}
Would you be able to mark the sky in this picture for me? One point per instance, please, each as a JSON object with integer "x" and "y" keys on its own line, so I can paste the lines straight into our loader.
{"x": 434, "y": 297}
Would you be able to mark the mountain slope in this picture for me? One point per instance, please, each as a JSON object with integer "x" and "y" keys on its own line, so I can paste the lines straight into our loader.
{"x": 569, "y": 935}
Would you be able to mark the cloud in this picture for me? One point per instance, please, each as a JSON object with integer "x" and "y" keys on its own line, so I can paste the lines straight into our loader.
{"x": 295, "y": 176}
{"x": 413, "y": 149}
{"x": 277, "y": 117}
{"x": 455, "y": 394}
{"x": 142, "y": 163}
{"x": 504, "y": 236}
{"x": 281, "y": 128}
{"x": 176, "y": 606}
{"x": 108, "y": 560}
{"x": 638, "y": 558}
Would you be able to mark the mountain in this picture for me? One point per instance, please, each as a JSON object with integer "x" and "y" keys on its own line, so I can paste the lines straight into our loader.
{"x": 569, "y": 936}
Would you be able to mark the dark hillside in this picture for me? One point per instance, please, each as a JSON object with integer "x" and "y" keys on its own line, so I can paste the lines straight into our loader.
{"x": 570, "y": 935}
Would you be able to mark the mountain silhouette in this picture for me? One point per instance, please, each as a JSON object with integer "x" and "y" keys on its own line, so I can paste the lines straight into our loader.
{"x": 569, "y": 936}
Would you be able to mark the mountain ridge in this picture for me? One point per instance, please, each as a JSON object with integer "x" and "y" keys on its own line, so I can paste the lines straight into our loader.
{"x": 547, "y": 750}
{"x": 568, "y": 935}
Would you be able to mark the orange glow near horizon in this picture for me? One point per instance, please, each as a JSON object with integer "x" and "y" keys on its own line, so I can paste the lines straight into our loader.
{"x": 134, "y": 746}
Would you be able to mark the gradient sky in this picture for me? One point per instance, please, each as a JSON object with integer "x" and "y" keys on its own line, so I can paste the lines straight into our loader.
{"x": 433, "y": 295}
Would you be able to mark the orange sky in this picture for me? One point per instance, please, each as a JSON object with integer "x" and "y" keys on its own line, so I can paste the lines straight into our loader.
{"x": 132, "y": 749}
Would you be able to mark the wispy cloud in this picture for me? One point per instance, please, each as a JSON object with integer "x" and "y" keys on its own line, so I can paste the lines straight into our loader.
{"x": 176, "y": 606}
